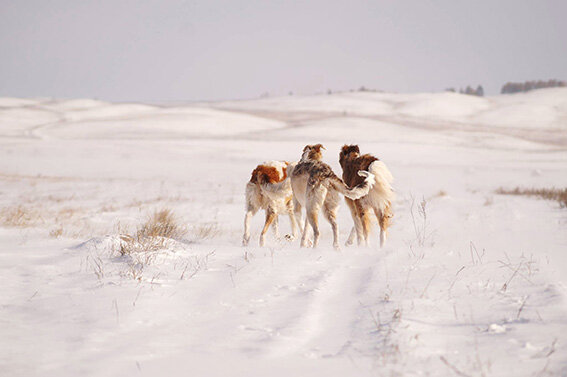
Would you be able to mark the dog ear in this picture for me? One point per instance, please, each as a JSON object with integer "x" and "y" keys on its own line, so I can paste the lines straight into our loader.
{"x": 254, "y": 177}
{"x": 318, "y": 147}
{"x": 344, "y": 151}
{"x": 348, "y": 149}
{"x": 306, "y": 147}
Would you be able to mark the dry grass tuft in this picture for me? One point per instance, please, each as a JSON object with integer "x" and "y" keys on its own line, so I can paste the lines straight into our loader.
{"x": 56, "y": 233}
{"x": 153, "y": 234}
{"x": 440, "y": 194}
{"x": 18, "y": 216}
{"x": 162, "y": 224}
{"x": 558, "y": 195}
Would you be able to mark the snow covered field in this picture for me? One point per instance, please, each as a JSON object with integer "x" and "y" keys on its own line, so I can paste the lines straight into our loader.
{"x": 470, "y": 283}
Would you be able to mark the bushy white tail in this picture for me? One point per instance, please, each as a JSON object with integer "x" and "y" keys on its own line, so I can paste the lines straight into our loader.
{"x": 382, "y": 191}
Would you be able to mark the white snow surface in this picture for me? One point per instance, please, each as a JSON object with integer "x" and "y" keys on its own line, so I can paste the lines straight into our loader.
{"x": 473, "y": 285}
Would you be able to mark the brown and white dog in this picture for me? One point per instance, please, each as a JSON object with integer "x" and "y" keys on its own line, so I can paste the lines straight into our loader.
{"x": 269, "y": 189}
{"x": 379, "y": 199}
{"x": 316, "y": 186}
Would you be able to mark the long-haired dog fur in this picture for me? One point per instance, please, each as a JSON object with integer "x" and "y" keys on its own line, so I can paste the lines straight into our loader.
{"x": 379, "y": 199}
{"x": 316, "y": 186}
{"x": 269, "y": 189}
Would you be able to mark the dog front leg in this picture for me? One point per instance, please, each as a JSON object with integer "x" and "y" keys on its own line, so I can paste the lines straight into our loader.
{"x": 246, "y": 238}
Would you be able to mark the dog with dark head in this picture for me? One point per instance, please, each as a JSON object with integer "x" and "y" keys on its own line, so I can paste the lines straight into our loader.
{"x": 379, "y": 199}
{"x": 269, "y": 189}
{"x": 316, "y": 186}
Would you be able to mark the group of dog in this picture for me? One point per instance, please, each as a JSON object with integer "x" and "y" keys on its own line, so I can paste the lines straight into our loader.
{"x": 283, "y": 187}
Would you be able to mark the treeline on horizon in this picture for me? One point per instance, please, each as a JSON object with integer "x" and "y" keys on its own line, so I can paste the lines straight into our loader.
{"x": 513, "y": 87}
{"x": 508, "y": 88}
{"x": 517, "y": 87}
{"x": 479, "y": 91}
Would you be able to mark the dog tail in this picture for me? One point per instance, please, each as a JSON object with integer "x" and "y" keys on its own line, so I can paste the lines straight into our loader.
{"x": 359, "y": 190}
{"x": 382, "y": 192}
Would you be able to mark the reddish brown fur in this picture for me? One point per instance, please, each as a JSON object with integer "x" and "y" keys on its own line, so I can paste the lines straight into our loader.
{"x": 267, "y": 174}
{"x": 351, "y": 161}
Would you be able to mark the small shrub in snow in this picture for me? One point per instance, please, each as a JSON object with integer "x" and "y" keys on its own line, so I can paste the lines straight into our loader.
{"x": 558, "y": 195}
{"x": 56, "y": 233}
{"x": 154, "y": 234}
{"x": 162, "y": 224}
{"x": 420, "y": 221}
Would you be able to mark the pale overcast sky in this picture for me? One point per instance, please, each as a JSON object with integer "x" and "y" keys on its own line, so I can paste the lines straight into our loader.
{"x": 175, "y": 50}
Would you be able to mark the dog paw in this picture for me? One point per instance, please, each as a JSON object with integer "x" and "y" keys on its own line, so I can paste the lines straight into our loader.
{"x": 306, "y": 243}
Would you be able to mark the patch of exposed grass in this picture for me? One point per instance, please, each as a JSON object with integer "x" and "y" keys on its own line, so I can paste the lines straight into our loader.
{"x": 19, "y": 216}
{"x": 440, "y": 194}
{"x": 153, "y": 234}
{"x": 56, "y": 233}
{"x": 558, "y": 195}
{"x": 162, "y": 224}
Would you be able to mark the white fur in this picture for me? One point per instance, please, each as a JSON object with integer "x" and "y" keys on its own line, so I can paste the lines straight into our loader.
{"x": 382, "y": 194}
{"x": 380, "y": 199}
{"x": 274, "y": 198}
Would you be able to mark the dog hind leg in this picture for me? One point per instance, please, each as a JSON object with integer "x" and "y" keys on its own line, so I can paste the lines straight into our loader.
{"x": 315, "y": 197}
{"x": 292, "y": 219}
{"x": 350, "y": 239}
{"x": 312, "y": 219}
{"x": 365, "y": 221}
{"x": 330, "y": 211}
{"x": 270, "y": 217}
{"x": 357, "y": 229}
{"x": 275, "y": 227}
{"x": 305, "y": 235}
{"x": 297, "y": 211}
{"x": 384, "y": 221}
